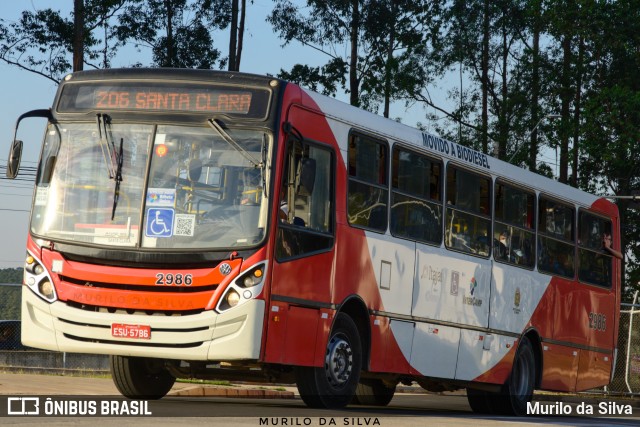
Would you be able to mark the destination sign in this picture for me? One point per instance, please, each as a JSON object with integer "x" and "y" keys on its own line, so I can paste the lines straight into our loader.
{"x": 146, "y": 96}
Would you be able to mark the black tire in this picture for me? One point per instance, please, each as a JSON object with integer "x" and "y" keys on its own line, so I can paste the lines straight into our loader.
{"x": 518, "y": 390}
{"x": 140, "y": 378}
{"x": 334, "y": 384}
{"x": 373, "y": 392}
{"x": 480, "y": 401}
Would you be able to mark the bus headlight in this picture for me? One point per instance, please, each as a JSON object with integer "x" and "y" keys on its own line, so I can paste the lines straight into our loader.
{"x": 38, "y": 280}
{"x": 46, "y": 289}
{"x": 232, "y": 298}
{"x": 238, "y": 291}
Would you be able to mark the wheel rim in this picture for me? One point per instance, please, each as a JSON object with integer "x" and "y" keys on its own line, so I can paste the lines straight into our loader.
{"x": 338, "y": 362}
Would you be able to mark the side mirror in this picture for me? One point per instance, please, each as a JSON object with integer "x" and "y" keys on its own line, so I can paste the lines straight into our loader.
{"x": 13, "y": 163}
{"x": 15, "y": 153}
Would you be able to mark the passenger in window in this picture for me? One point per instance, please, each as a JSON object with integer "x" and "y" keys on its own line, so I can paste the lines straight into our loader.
{"x": 607, "y": 245}
{"x": 283, "y": 213}
{"x": 502, "y": 248}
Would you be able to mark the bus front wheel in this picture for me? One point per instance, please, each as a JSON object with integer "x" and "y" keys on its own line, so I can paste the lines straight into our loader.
{"x": 334, "y": 384}
{"x": 140, "y": 378}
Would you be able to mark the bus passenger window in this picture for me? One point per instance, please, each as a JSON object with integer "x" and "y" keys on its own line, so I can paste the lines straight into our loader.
{"x": 468, "y": 214}
{"x": 368, "y": 185}
{"x": 594, "y": 263}
{"x": 513, "y": 232}
{"x": 556, "y": 246}
{"x": 416, "y": 207}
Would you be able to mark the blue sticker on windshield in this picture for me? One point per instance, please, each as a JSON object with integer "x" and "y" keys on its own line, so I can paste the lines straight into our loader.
{"x": 159, "y": 222}
{"x": 161, "y": 197}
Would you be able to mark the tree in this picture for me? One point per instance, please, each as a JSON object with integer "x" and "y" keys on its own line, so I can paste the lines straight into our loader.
{"x": 178, "y": 32}
{"x": 382, "y": 41}
{"x": 46, "y": 43}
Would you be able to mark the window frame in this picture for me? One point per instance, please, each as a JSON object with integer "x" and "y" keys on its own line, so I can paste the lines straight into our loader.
{"x": 532, "y": 230}
{"x": 488, "y": 217}
{"x": 602, "y": 252}
{"x": 541, "y": 234}
{"x": 384, "y": 187}
{"x": 285, "y": 227}
{"x": 439, "y": 203}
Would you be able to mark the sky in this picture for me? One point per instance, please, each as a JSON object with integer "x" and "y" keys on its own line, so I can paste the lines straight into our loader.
{"x": 21, "y": 91}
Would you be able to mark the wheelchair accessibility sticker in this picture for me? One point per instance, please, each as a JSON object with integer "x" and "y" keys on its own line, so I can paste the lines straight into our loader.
{"x": 159, "y": 222}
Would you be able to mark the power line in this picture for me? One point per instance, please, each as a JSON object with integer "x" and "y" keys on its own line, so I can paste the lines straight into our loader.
{"x": 14, "y": 210}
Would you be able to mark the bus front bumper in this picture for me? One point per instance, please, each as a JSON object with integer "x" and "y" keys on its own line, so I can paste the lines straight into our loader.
{"x": 235, "y": 334}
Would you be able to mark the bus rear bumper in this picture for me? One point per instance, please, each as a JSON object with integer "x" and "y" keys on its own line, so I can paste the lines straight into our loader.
{"x": 233, "y": 335}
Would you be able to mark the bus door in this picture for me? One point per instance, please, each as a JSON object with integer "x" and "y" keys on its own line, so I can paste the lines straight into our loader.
{"x": 303, "y": 269}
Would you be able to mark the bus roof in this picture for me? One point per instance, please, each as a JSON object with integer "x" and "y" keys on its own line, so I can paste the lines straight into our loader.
{"x": 451, "y": 151}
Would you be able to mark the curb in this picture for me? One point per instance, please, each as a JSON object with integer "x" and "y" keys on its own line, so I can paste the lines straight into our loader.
{"x": 212, "y": 391}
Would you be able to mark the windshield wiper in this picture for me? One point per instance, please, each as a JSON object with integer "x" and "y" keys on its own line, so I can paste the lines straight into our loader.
{"x": 215, "y": 125}
{"x": 104, "y": 122}
{"x": 110, "y": 155}
{"x": 118, "y": 178}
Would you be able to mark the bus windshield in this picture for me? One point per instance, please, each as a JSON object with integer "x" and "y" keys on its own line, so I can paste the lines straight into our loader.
{"x": 180, "y": 187}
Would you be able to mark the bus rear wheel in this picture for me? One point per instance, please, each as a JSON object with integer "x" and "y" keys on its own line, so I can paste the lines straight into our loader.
{"x": 140, "y": 378}
{"x": 373, "y": 392}
{"x": 515, "y": 393}
{"x": 518, "y": 390}
{"x": 334, "y": 384}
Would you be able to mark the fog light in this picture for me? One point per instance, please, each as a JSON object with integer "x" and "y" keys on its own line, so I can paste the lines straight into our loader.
{"x": 233, "y": 298}
{"x": 38, "y": 269}
{"x": 46, "y": 289}
{"x": 247, "y": 294}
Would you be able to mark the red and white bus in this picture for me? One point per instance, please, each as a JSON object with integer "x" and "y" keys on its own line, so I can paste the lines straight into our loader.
{"x": 193, "y": 223}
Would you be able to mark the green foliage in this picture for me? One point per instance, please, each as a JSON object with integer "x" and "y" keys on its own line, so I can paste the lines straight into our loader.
{"x": 10, "y": 295}
{"x": 11, "y": 275}
{"x": 10, "y": 302}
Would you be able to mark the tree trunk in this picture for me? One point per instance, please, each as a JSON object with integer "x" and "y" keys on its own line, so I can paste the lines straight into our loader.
{"x": 485, "y": 77}
{"x": 78, "y": 35}
{"x": 535, "y": 86}
{"x": 233, "y": 35}
{"x": 353, "y": 63}
{"x": 565, "y": 98}
{"x": 243, "y": 14}
{"x": 577, "y": 113}
{"x": 387, "y": 74}
{"x": 169, "y": 60}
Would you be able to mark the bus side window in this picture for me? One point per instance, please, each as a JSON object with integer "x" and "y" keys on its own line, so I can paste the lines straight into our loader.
{"x": 594, "y": 263}
{"x": 468, "y": 214}
{"x": 513, "y": 232}
{"x": 416, "y": 207}
{"x": 556, "y": 247}
{"x": 368, "y": 182}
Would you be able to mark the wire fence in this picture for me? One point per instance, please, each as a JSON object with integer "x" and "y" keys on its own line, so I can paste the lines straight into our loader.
{"x": 626, "y": 378}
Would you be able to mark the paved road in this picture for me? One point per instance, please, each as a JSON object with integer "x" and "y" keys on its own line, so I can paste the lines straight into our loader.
{"x": 404, "y": 410}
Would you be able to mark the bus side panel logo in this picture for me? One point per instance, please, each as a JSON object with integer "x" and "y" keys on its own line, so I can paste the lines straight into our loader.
{"x": 455, "y": 281}
{"x": 159, "y": 222}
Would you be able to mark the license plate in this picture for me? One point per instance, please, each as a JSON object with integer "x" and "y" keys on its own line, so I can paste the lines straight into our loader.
{"x": 140, "y": 332}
